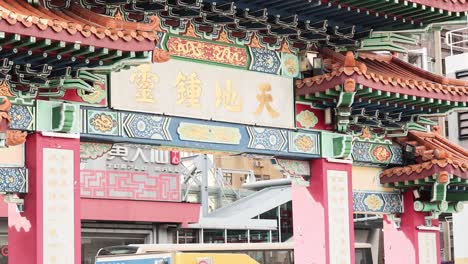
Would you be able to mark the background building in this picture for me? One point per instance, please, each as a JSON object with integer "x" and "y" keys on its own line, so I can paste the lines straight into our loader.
{"x": 140, "y": 122}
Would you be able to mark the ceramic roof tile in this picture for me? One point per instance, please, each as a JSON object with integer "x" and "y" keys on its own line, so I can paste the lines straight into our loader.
{"x": 434, "y": 153}
{"x": 382, "y": 70}
{"x": 76, "y": 20}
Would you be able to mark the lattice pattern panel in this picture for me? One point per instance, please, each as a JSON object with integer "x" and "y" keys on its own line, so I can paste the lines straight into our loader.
{"x": 130, "y": 185}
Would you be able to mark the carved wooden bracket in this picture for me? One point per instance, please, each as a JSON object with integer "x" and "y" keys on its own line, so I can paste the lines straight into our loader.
{"x": 160, "y": 55}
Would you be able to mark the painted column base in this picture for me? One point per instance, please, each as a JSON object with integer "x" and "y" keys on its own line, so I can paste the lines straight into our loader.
{"x": 323, "y": 216}
{"x": 411, "y": 243}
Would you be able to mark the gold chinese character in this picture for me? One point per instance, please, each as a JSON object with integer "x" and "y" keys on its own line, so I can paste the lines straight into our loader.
{"x": 145, "y": 81}
{"x": 189, "y": 90}
{"x": 228, "y": 97}
{"x": 264, "y": 98}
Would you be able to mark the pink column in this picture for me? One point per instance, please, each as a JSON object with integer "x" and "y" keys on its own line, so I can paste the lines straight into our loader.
{"x": 412, "y": 242}
{"x": 49, "y": 230}
{"x": 323, "y": 215}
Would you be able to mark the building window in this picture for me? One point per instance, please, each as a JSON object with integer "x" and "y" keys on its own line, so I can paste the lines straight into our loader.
{"x": 227, "y": 177}
{"x": 188, "y": 236}
{"x": 237, "y": 236}
{"x": 213, "y": 236}
{"x": 446, "y": 125}
{"x": 271, "y": 214}
{"x": 258, "y": 177}
{"x": 259, "y": 236}
{"x": 463, "y": 126}
{"x": 286, "y": 222}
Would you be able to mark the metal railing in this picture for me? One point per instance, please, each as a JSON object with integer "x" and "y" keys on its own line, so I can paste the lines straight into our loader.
{"x": 457, "y": 39}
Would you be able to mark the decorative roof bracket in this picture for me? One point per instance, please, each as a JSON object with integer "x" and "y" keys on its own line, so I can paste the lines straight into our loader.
{"x": 343, "y": 106}
{"x": 49, "y": 4}
{"x": 438, "y": 203}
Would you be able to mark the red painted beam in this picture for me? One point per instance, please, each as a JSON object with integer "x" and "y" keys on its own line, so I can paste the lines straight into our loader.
{"x": 142, "y": 211}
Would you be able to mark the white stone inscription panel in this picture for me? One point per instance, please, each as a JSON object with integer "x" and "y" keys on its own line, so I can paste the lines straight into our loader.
{"x": 338, "y": 217}
{"x": 58, "y": 210}
{"x": 427, "y": 248}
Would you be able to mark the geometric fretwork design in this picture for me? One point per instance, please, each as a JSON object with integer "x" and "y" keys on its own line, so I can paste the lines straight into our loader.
{"x": 130, "y": 185}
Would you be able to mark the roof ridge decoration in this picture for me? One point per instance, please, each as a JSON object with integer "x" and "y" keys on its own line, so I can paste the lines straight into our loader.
{"x": 440, "y": 173}
{"x": 387, "y": 93}
{"x": 433, "y": 153}
{"x": 77, "y": 20}
{"x": 361, "y": 68}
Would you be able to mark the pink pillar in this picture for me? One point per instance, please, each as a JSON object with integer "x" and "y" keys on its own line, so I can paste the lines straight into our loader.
{"x": 412, "y": 242}
{"x": 49, "y": 230}
{"x": 323, "y": 215}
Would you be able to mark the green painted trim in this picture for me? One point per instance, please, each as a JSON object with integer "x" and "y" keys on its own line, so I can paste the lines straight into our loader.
{"x": 54, "y": 116}
{"x": 422, "y": 206}
{"x": 342, "y": 146}
{"x": 345, "y": 99}
{"x": 63, "y": 117}
{"x": 439, "y": 191}
{"x": 455, "y": 207}
{"x": 457, "y": 196}
{"x": 334, "y": 145}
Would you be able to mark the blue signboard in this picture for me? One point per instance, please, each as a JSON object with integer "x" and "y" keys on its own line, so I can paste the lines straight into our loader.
{"x": 151, "y": 260}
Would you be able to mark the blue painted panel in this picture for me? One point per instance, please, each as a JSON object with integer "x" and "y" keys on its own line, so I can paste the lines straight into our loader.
{"x": 160, "y": 36}
{"x": 13, "y": 180}
{"x": 22, "y": 117}
{"x": 264, "y": 60}
{"x": 377, "y": 202}
{"x": 362, "y": 153}
{"x": 146, "y": 126}
{"x": 397, "y": 157}
{"x": 162, "y": 130}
